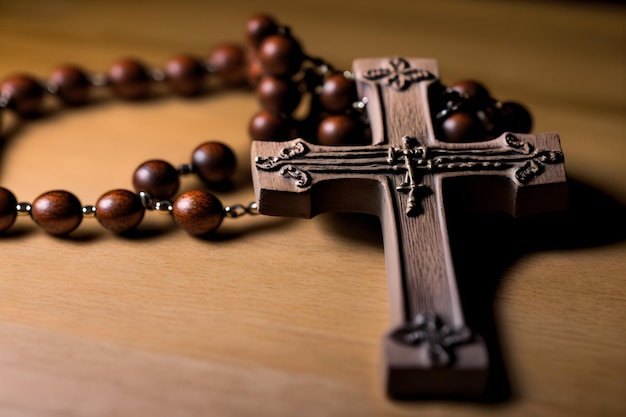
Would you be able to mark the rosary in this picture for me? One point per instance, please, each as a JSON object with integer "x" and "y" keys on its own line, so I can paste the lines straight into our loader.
{"x": 385, "y": 138}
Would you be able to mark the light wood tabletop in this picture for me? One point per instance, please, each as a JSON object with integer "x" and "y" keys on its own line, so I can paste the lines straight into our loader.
{"x": 280, "y": 316}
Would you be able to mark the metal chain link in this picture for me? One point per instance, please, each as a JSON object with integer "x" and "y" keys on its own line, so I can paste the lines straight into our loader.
{"x": 160, "y": 206}
{"x": 23, "y": 208}
{"x": 238, "y": 210}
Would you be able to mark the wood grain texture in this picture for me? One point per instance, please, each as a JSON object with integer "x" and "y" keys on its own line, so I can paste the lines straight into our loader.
{"x": 282, "y": 315}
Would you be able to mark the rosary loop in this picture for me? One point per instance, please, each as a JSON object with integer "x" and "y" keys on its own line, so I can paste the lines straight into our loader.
{"x": 299, "y": 95}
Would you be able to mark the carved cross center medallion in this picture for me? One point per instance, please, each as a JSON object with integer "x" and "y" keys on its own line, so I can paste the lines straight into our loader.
{"x": 400, "y": 177}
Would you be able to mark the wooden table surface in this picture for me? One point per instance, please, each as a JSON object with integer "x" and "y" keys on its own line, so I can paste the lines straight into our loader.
{"x": 283, "y": 317}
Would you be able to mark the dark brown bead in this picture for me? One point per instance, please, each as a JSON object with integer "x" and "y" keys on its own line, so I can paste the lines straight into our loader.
{"x": 24, "y": 94}
{"x": 57, "y": 212}
{"x": 214, "y": 162}
{"x": 266, "y": 126}
{"x": 515, "y": 118}
{"x": 280, "y": 55}
{"x": 489, "y": 116}
{"x": 185, "y": 75}
{"x": 472, "y": 89}
{"x": 198, "y": 212}
{"x": 254, "y": 71}
{"x": 229, "y": 63}
{"x": 338, "y": 93}
{"x": 463, "y": 127}
{"x": 119, "y": 210}
{"x": 339, "y": 130}
{"x": 278, "y": 96}
{"x": 71, "y": 84}
{"x": 259, "y": 27}
{"x": 129, "y": 79}
{"x": 157, "y": 178}
{"x": 8, "y": 211}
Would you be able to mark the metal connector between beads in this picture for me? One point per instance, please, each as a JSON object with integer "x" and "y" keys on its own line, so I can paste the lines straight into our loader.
{"x": 89, "y": 211}
{"x": 163, "y": 207}
{"x": 23, "y": 209}
{"x": 238, "y": 210}
{"x": 160, "y": 206}
{"x": 185, "y": 169}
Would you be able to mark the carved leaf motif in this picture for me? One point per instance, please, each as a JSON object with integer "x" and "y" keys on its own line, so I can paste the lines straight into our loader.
{"x": 399, "y": 75}
{"x": 303, "y": 178}
{"x": 529, "y": 171}
{"x": 440, "y": 338}
{"x": 266, "y": 164}
{"x": 275, "y": 162}
{"x": 517, "y": 144}
{"x": 377, "y": 74}
{"x": 296, "y": 150}
{"x": 550, "y": 157}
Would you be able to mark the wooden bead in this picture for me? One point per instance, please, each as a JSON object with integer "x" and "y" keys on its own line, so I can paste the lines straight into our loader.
{"x": 267, "y": 126}
{"x": 278, "y": 96}
{"x": 472, "y": 89}
{"x": 258, "y": 28}
{"x": 515, "y": 118}
{"x": 24, "y": 94}
{"x": 198, "y": 212}
{"x": 280, "y": 55}
{"x": 71, "y": 84}
{"x": 338, "y": 93}
{"x": 119, "y": 210}
{"x": 463, "y": 127}
{"x": 229, "y": 63}
{"x": 214, "y": 162}
{"x": 185, "y": 75}
{"x": 339, "y": 130}
{"x": 489, "y": 117}
{"x": 129, "y": 79}
{"x": 8, "y": 211}
{"x": 157, "y": 178}
{"x": 57, "y": 212}
{"x": 254, "y": 71}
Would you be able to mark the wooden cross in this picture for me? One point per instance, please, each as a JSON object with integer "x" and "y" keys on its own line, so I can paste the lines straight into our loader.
{"x": 400, "y": 177}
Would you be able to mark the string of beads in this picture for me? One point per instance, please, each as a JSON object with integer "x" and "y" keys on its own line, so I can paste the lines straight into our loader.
{"x": 299, "y": 95}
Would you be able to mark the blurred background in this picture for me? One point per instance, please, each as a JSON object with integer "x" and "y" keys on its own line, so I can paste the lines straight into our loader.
{"x": 284, "y": 317}
{"x": 540, "y": 53}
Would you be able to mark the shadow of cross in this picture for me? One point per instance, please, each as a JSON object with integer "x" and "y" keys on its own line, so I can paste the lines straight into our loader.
{"x": 400, "y": 177}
